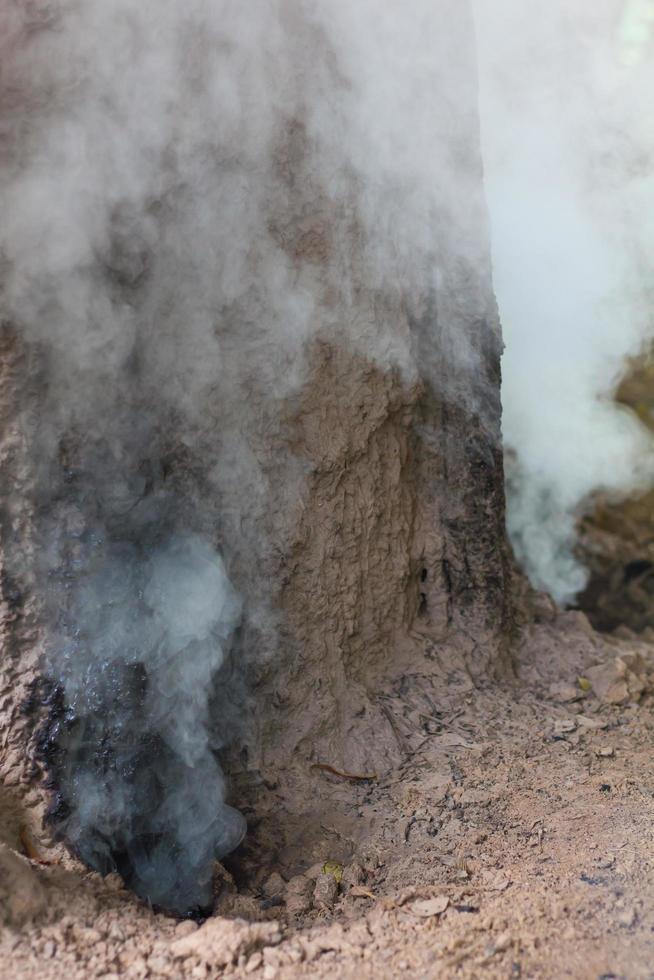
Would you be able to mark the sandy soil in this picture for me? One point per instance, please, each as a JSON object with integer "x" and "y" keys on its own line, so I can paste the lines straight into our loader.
{"x": 513, "y": 840}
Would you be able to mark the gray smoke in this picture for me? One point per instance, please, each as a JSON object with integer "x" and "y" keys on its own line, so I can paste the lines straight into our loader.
{"x": 141, "y": 643}
{"x": 140, "y": 615}
{"x": 192, "y": 192}
{"x": 133, "y": 144}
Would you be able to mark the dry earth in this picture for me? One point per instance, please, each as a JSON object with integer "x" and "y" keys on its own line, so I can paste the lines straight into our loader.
{"x": 513, "y": 840}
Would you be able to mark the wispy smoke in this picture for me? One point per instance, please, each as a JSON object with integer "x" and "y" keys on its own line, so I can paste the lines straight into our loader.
{"x": 128, "y": 224}
{"x": 567, "y": 138}
{"x": 139, "y": 648}
{"x": 192, "y": 192}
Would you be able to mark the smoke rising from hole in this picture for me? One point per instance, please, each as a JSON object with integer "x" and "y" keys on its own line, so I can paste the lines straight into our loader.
{"x": 193, "y": 195}
{"x": 136, "y": 768}
{"x": 568, "y": 139}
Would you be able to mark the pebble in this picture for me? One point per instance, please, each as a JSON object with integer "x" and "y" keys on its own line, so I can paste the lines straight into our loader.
{"x": 114, "y": 882}
{"x": 325, "y": 892}
{"x": 314, "y": 871}
{"x": 502, "y": 942}
{"x": 564, "y": 693}
{"x": 299, "y": 895}
{"x": 353, "y": 874}
{"x": 254, "y": 963}
{"x": 626, "y": 918}
{"x": 274, "y": 885}
{"x": 158, "y": 964}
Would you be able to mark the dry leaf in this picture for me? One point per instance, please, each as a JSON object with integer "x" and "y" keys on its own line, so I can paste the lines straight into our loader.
{"x": 333, "y": 869}
{"x": 356, "y": 891}
{"x": 429, "y": 907}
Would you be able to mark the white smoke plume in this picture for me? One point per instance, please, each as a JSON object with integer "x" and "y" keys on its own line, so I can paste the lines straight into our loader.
{"x": 568, "y": 145}
{"x": 160, "y": 163}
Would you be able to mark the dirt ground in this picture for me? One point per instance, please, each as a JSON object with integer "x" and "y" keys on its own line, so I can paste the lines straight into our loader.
{"x": 513, "y": 840}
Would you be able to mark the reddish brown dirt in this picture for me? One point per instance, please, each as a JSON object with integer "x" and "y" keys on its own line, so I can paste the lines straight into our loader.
{"x": 513, "y": 838}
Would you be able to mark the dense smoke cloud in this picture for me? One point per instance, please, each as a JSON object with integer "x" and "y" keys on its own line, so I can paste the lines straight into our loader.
{"x": 192, "y": 192}
{"x": 568, "y": 137}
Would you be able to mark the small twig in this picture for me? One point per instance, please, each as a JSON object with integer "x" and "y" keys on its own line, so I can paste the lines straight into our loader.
{"x": 401, "y": 740}
{"x": 356, "y": 777}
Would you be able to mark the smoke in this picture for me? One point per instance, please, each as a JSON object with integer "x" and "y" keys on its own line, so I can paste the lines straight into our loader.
{"x": 567, "y": 136}
{"x": 193, "y": 193}
{"x": 141, "y": 641}
{"x": 135, "y": 146}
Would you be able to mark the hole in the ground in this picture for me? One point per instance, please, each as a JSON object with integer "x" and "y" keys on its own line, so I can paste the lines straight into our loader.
{"x": 636, "y": 569}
